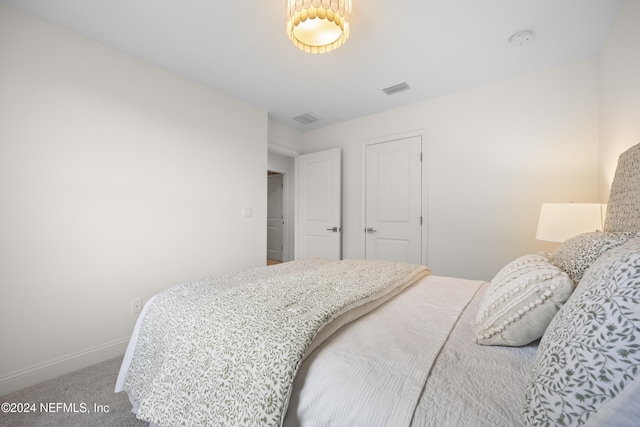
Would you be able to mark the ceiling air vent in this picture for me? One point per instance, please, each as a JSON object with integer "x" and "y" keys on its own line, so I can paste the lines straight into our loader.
{"x": 392, "y": 90}
{"x": 307, "y": 118}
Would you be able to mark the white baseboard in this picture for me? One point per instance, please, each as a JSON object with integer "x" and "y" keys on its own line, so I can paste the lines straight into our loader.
{"x": 54, "y": 368}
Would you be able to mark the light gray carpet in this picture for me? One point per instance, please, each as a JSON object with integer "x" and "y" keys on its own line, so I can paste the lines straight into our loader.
{"x": 84, "y": 388}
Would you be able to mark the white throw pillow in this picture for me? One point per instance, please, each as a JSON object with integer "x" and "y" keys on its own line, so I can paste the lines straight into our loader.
{"x": 521, "y": 301}
{"x": 591, "y": 349}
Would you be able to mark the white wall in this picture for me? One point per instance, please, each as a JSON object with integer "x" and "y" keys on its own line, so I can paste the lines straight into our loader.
{"x": 284, "y": 139}
{"x": 115, "y": 184}
{"x": 619, "y": 91}
{"x": 494, "y": 155}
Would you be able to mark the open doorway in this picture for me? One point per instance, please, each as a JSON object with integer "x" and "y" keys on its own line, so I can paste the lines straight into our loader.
{"x": 282, "y": 162}
{"x": 275, "y": 217}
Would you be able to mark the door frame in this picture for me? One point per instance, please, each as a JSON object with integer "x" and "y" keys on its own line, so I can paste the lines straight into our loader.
{"x": 422, "y": 133}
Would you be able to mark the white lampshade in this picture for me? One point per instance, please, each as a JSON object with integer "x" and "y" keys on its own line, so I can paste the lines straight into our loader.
{"x": 318, "y": 26}
{"x": 560, "y": 221}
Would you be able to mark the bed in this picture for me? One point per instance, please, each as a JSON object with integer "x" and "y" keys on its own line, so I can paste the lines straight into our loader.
{"x": 553, "y": 339}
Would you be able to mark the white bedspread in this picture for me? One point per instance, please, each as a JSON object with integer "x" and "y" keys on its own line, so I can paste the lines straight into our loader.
{"x": 372, "y": 372}
{"x": 475, "y": 385}
{"x": 225, "y": 350}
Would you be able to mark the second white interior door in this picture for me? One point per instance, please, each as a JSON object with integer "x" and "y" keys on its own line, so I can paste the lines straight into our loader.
{"x": 393, "y": 200}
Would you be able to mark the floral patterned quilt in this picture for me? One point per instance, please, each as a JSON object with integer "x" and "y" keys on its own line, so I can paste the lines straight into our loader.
{"x": 225, "y": 350}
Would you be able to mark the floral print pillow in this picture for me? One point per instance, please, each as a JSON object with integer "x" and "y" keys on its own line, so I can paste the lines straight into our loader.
{"x": 592, "y": 346}
{"x": 578, "y": 253}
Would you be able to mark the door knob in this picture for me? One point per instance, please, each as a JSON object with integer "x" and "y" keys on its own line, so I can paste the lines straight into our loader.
{"x": 370, "y": 230}
{"x": 334, "y": 229}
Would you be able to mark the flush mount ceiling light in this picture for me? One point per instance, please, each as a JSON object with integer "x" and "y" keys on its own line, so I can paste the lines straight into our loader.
{"x": 318, "y": 26}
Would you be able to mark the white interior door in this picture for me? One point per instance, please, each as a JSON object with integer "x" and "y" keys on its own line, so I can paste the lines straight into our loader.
{"x": 275, "y": 217}
{"x": 393, "y": 200}
{"x": 318, "y": 217}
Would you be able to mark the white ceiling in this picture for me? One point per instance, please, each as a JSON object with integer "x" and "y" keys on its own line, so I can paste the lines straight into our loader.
{"x": 239, "y": 47}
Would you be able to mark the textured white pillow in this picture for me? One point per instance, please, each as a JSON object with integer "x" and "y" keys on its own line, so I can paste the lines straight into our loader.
{"x": 521, "y": 301}
{"x": 591, "y": 349}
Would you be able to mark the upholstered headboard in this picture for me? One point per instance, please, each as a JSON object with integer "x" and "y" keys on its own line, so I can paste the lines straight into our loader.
{"x": 623, "y": 209}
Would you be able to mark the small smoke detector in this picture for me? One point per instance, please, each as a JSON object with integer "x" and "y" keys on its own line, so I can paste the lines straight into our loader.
{"x": 522, "y": 38}
{"x": 392, "y": 90}
{"x": 307, "y": 118}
